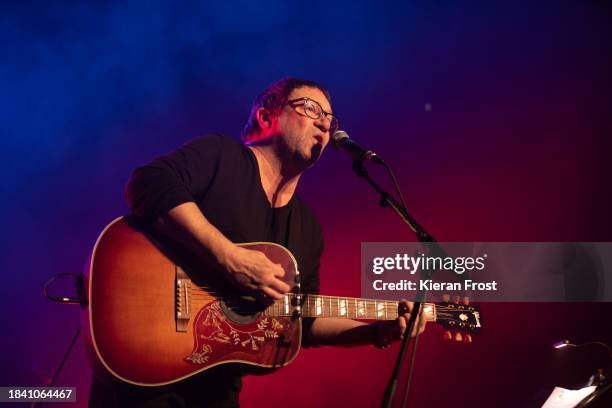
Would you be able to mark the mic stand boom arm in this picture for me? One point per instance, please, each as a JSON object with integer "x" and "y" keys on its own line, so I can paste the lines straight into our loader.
{"x": 386, "y": 200}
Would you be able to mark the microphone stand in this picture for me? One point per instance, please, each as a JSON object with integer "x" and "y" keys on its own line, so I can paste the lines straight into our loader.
{"x": 386, "y": 200}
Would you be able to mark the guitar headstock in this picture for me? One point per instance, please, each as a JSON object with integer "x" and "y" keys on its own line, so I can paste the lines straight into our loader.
{"x": 460, "y": 317}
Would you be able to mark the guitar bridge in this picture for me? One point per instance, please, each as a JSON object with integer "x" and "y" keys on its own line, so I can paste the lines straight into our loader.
{"x": 182, "y": 299}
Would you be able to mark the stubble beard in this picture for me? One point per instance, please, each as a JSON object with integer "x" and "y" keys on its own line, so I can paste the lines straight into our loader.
{"x": 298, "y": 157}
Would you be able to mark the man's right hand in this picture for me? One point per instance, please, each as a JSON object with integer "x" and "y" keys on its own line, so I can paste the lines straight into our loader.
{"x": 253, "y": 271}
{"x": 248, "y": 269}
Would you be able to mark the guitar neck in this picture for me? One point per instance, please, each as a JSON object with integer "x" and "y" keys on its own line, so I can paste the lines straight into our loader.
{"x": 343, "y": 307}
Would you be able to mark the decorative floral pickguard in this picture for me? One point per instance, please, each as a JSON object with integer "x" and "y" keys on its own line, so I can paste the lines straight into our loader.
{"x": 216, "y": 335}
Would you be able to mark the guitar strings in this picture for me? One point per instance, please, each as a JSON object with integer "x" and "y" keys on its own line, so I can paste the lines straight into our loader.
{"x": 389, "y": 305}
{"x": 199, "y": 290}
{"x": 369, "y": 306}
{"x": 348, "y": 305}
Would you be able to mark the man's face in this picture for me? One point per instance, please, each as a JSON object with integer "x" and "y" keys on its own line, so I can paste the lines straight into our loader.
{"x": 303, "y": 138}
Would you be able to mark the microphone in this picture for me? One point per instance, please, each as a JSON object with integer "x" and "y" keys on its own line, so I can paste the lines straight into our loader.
{"x": 343, "y": 142}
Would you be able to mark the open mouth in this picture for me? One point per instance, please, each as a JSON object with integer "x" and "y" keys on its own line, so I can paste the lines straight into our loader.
{"x": 316, "y": 151}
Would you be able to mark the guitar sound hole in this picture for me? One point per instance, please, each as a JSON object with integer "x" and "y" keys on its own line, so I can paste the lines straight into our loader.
{"x": 242, "y": 311}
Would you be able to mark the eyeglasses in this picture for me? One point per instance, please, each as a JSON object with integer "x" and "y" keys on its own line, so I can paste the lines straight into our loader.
{"x": 313, "y": 110}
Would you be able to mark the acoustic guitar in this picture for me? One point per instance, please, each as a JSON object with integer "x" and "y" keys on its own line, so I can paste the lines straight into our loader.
{"x": 154, "y": 317}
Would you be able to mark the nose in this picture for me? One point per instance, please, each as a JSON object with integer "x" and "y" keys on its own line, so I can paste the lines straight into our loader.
{"x": 323, "y": 123}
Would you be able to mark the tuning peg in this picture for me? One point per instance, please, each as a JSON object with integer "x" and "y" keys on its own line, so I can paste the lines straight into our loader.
{"x": 446, "y": 298}
{"x": 458, "y": 337}
{"x": 447, "y": 335}
{"x": 467, "y": 339}
{"x": 456, "y": 299}
{"x": 466, "y": 300}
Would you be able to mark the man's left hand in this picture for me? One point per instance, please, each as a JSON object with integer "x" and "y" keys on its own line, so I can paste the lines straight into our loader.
{"x": 388, "y": 331}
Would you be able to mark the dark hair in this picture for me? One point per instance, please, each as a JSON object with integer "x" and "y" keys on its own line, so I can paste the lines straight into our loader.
{"x": 274, "y": 98}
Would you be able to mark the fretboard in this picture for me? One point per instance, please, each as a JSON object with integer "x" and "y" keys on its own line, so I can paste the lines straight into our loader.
{"x": 346, "y": 307}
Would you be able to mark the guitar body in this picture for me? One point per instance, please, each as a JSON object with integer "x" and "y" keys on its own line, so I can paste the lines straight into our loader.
{"x": 154, "y": 317}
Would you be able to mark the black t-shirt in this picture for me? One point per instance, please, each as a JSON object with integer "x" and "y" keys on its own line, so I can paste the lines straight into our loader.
{"x": 222, "y": 177}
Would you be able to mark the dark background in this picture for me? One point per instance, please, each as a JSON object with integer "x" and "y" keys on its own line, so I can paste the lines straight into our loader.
{"x": 496, "y": 119}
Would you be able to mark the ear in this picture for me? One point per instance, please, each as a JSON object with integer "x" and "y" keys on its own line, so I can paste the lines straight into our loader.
{"x": 264, "y": 118}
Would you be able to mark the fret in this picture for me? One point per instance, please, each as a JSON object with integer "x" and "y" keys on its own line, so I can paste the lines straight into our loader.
{"x": 318, "y": 306}
{"x": 379, "y": 309}
{"x": 286, "y": 305}
{"x": 337, "y": 306}
{"x": 311, "y": 304}
{"x": 330, "y": 308}
{"x": 355, "y": 301}
{"x": 427, "y": 310}
{"x": 322, "y": 306}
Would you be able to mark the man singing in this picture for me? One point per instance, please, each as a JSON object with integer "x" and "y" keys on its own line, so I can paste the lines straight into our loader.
{"x": 214, "y": 192}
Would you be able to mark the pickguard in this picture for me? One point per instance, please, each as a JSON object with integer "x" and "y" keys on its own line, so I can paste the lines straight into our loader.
{"x": 216, "y": 337}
